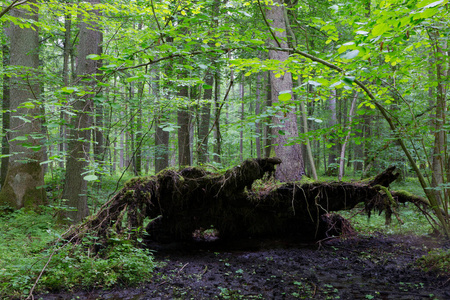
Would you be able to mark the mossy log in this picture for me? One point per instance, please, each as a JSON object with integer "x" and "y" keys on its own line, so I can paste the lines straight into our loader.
{"x": 172, "y": 205}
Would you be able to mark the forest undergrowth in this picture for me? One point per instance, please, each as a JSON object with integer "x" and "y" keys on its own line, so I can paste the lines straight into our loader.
{"x": 32, "y": 259}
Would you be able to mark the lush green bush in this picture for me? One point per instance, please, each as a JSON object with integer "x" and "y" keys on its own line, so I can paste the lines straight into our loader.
{"x": 26, "y": 247}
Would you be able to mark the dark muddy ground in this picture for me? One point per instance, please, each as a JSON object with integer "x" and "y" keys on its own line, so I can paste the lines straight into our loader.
{"x": 379, "y": 267}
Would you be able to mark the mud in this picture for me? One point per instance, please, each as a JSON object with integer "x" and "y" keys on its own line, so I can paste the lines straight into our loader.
{"x": 377, "y": 267}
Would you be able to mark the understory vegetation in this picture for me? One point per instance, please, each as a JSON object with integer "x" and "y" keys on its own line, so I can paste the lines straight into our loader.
{"x": 40, "y": 257}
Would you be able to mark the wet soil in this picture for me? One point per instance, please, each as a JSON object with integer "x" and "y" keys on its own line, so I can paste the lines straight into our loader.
{"x": 376, "y": 267}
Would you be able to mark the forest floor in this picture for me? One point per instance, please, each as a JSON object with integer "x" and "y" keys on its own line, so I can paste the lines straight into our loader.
{"x": 360, "y": 267}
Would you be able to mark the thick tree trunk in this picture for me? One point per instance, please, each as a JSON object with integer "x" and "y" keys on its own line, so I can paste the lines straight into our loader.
{"x": 438, "y": 171}
{"x": 291, "y": 168}
{"x": 75, "y": 187}
{"x": 161, "y": 136}
{"x": 25, "y": 173}
{"x": 205, "y": 116}
{"x": 179, "y": 203}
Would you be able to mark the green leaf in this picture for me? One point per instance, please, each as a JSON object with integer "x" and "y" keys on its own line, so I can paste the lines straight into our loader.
{"x": 380, "y": 29}
{"x": 69, "y": 90}
{"x": 133, "y": 78}
{"x": 349, "y": 80}
{"x": 93, "y": 57}
{"x": 20, "y": 138}
{"x": 285, "y": 96}
{"x": 91, "y": 177}
{"x": 351, "y": 54}
{"x": 427, "y": 4}
{"x": 207, "y": 87}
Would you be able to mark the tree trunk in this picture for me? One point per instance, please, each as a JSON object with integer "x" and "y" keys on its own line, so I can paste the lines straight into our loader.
{"x": 75, "y": 188}
{"x": 257, "y": 112}
{"x": 217, "y": 135}
{"x": 440, "y": 134}
{"x": 291, "y": 168}
{"x": 6, "y": 113}
{"x": 303, "y": 110}
{"x": 347, "y": 137}
{"x": 161, "y": 136}
{"x": 332, "y": 151}
{"x": 25, "y": 173}
{"x": 267, "y": 127}
{"x": 241, "y": 132}
{"x": 205, "y": 116}
{"x": 62, "y": 146}
{"x": 184, "y": 123}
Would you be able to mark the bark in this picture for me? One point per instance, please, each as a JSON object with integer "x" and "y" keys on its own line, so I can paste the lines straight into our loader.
{"x": 62, "y": 146}
{"x": 161, "y": 136}
{"x": 291, "y": 168}
{"x": 267, "y": 128}
{"x": 332, "y": 121}
{"x": 184, "y": 123}
{"x": 257, "y": 112}
{"x": 347, "y": 137}
{"x": 241, "y": 132}
{"x": 440, "y": 134}
{"x": 205, "y": 116}
{"x": 6, "y": 113}
{"x": 217, "y": 134}
{"x": 303, "y": 109}
{"x": 75, "y": 187}
{"x": 25, "y": 173}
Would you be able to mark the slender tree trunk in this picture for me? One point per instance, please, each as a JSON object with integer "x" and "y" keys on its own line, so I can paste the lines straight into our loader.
{"x": 217, "y": 135}
{"x": 62, "y": 146}
{"x": 347, "y": 137}
{"x": 6, "y": 113}
{"x": 184, "y": 123}
{"x": 241, "y": 132}
{"x": 332, "y": 121}
{"x": 75, "y": 188}
{"x": 267, "y": 128}
{"x": 291, "y": 168}
{"x": 25, "y": 173}
{"x": 257, "y": 112}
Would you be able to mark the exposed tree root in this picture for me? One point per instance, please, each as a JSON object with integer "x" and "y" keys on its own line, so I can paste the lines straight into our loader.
{"x": 175, "y": 205}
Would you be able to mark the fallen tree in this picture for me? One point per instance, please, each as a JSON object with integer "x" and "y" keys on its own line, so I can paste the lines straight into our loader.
{"x": 174, "y": 205}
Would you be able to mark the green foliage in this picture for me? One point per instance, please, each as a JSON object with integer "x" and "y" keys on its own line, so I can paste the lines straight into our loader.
{"x": 415, "y": 222}
{"x": 26, "y": 245}
{"x": 437, "y": 261}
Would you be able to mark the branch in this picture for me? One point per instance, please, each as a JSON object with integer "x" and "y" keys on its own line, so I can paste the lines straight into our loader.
{"x": 151, "y": 61}
{"x": 267, "y": 24}
{"x": 11, "y": 6}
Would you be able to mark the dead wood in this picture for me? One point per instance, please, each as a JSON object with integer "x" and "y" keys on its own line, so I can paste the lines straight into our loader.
{"x": 175, "y": 205}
